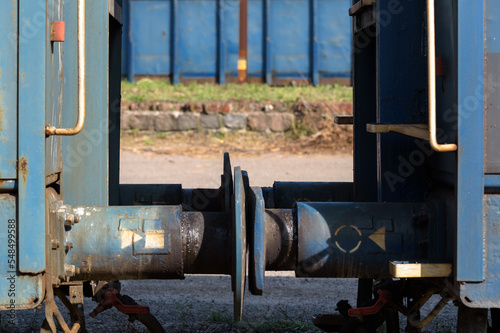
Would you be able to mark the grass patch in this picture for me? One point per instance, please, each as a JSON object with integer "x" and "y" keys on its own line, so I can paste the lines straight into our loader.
{"x": 162, "y": 90}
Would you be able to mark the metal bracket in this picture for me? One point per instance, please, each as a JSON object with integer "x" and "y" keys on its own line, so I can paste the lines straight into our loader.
{"x": 404, "y": 269}
{"x": 419, "y": 131}
{"x": 344, "y": 120}
{"x": 359, "y": 6}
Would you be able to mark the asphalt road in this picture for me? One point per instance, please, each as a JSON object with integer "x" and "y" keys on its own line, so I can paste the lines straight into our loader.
{"x": 193, "y": 172}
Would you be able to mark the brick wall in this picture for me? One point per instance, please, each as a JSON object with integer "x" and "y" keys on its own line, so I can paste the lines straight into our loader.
{"x": 232, "y": 116}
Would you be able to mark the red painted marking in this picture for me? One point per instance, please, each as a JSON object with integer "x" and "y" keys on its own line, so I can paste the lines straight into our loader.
{"x": 57, "y": 31}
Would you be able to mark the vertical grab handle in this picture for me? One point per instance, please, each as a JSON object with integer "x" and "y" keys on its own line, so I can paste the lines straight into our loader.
{"x": 50, "y": 130}
{"x": 431, "y": 59}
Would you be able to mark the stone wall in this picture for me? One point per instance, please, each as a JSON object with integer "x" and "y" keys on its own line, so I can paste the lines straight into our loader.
{"x": 229, "y": 116}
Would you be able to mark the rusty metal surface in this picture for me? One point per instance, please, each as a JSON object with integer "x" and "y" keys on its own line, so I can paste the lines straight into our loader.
{"x": 206, "y": 242}
{"x": 243, "y": 42}
{"x": 119, "y": 243}
{"x": 8, "y": 186}
{"x": 8, "y": 89}
{"x": 32, "y": 102}
{"x": 280, "y": 240}
{"x": 18, "y": 291}
{"x": 57, "y": 31}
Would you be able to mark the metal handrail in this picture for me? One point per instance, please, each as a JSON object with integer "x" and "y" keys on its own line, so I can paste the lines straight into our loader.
{"x": 50, "y": 130}
{"x": 431, "y": 59}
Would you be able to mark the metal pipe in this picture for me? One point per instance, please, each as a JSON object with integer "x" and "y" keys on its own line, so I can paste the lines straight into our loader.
{"x": 281, "y": 242}
{"x": 243, "y": 44}
{"x": 431, "y": 59}
{"x": 50, "y": 130}
{"x": 150, "y": 242}
{"x": 206, "y": 242}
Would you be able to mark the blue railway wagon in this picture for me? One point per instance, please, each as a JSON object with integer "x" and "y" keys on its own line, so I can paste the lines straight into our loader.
{"x": 420, "y": 218}
{"x": 301, "y": 40}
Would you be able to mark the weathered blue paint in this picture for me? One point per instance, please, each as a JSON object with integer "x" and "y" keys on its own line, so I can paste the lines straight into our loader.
{"x": 55, "y": 92}
{"x": 27, "y": 291}
{"x": 470, "y": 260}
{"x": 268, "y": 47}
{"x": 31, "y": 136}
{"x": 255, "y": 36}
{"x": 492, "y": 25}
{"x": 175, "y": 40}
{"x": 314, "y": 42}
{"x": 209, "y": 44}
{"x": 486, "y": 294}
{"x": 127, "y": 242}
{"x": 8, "y": 89}
{"x": 257, "y": 257}
{"x": 84, "y": 180}
{"x": 491, "y": 180}
{"x": 334, "y": 38}
{"x": 8, "y": 185}
{"x": 197, "y": 42}
{"x": 221, "y": 55}
{"x": 492, "y": 80}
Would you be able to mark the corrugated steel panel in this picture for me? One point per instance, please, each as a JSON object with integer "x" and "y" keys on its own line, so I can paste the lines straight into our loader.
{"x": 300, "y": 39}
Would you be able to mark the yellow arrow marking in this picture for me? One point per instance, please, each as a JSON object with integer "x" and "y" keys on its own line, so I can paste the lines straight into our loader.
{"x": 379, "y": 238}
{"x": 129, "y": 237}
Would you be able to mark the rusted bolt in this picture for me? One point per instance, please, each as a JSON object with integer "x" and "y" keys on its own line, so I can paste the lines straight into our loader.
{"x": 68, "y": 246}
{"x": 69, "y": 220}
{"x": 70, "y": 270}
{"x": 55, "y": 244}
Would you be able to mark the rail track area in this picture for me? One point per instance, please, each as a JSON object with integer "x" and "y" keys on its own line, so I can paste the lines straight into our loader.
{"x": 205, "y": 303}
